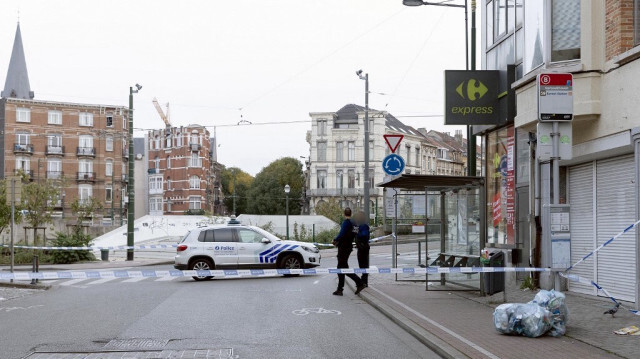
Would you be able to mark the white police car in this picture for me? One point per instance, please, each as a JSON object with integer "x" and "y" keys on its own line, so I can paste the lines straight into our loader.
{"x": 234, "y": 246}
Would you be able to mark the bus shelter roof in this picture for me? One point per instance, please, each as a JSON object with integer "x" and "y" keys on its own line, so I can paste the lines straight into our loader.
{"x": 412, "y": 182}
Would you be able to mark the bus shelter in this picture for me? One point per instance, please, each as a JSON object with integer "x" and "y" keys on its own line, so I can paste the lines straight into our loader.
{"x": 457, "y": 204}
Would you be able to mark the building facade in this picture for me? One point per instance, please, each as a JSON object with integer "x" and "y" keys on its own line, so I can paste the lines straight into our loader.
{"x": 597, "y": 42}
{"x": 80, "y": 147}
{"x": 335, "y": 168}
{"x": 179, "y": 171}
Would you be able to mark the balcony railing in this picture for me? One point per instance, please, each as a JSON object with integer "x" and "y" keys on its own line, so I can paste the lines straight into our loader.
{"x": 194, "y": 147}
{"x": 54, "y": 150}
{"x": 54, "y": 174}
{"x": 125, "y": 178}
{"x": 23, "y": 148}
{"x": 87, "y": 151}
{"x": 125, "y": 154}
{"x": 86, "y": 176}
{"x": 333, "y": 192}
{"x": 154, "y": 171}
{"x": 29, "y": 173}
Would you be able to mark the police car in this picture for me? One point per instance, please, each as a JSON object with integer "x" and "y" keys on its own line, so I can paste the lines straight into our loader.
{"x": 236, "y": 246}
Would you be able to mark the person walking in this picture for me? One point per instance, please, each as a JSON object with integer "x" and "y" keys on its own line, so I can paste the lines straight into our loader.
{"x": 362, "y": 243}
{"x": 344, "y": 243}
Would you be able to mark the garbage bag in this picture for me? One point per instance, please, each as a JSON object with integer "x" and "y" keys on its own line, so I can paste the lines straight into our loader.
{"x": 529, "y": 319}
{"x": 554, "y": 302}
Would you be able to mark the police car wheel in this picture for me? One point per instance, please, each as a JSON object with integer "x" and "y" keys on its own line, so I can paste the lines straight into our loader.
{"x": 201, "y": 264}
{"x": 290, "y": 261}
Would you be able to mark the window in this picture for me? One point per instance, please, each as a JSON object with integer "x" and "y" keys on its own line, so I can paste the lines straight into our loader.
{"x": 54, "y": 144}
{"x": 533, "y": 34}
{"x": 108, "y": 193}
{"x": 194, "y": 202}
{"x": 351, "y": 178}
{"x": 155, "y": 204}
{"x": 23, "y": 139}
{"x": 155, "y": 184}
{"x": 371, "y": 150}
{"x": 109, "y": 120}
{"x": 206, "y": 236}
{"x": 178, "y": 139}
{"x": 156, "y": 162}
{"x": 249, "y": 236}
{"x": 85, "y": 142}
{"x": 23, "y": 163}
{"x": 168, "y": 162}
{"x": 322, "y": 127}
{"x": 565, "y": 30}
{"x": 108, "y": 168}
{"x": 86, "y": 119}
{"x": 169, "y": 140}
{"x": 322, "y": 178}
{"x": 194, "y": 182}
{"x": 339, "y": 179}
{"x": 85, "y": 166}
{"x": 195, "y": 160}
{"x": 85, "y": 192}
{"x": 224, "y": 235}
{"x": 168, "y": 183}
{"x": 417, "y": 163}
{"x": 109, "y": 143}
{"x": 489, "y": 24}
{"x": 23, "y": 114}
{"x": 371, "y": 126}
{"x": 322, "y": 151}
{"x": 54, "y": 168}
{"x": 158, "y": 145}
{"x": 372, "y": 178}
{"x": 124, "y": 122}
{"x": 339, "y": 151}
{"x": 351, "y": 149}
{"x": 500, "y": 17}
{"x": 55, "y": 118}
{"x": 408, "y": 157}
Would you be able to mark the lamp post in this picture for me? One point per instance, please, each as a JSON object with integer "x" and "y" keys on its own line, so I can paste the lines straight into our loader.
{"x": 130, "y": 189}
{"x": 287, "y": 189}
{"x": 471, "y": 139}
{"x": 367, "y": 207}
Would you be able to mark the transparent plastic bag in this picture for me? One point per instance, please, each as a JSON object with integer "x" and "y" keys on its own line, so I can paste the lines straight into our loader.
{"x": 529, "y": 319}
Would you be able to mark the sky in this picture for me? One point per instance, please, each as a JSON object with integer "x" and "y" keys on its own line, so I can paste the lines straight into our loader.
{"x": 264, "y": 62}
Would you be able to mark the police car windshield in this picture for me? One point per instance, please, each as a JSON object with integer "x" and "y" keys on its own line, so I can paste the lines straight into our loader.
{"x": 265, "y": 234}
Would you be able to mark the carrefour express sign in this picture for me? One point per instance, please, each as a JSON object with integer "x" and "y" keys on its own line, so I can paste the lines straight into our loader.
{"x": 471, "y": 97}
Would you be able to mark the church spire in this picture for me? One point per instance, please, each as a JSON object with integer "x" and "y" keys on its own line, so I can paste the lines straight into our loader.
{"x": 17, "y": 83}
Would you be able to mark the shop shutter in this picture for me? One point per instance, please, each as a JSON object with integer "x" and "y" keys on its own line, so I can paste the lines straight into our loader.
{"x": 581, "y": 199}
{"x": 615, "y": 211}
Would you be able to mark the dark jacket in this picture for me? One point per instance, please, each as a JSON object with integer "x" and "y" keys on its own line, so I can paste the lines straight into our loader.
{"x": 363, "y": 236}
{"x": 344, "y": 240}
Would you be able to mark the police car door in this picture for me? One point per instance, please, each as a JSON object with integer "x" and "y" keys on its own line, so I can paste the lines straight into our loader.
{"x": 224, "y": 249}
{"x": 249, "y": 247}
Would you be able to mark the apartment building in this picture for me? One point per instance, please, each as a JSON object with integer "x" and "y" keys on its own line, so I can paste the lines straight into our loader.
{"x": 179, "y": 171}
{"x": 596, "y": 41}
{"x": 80, "y": 146}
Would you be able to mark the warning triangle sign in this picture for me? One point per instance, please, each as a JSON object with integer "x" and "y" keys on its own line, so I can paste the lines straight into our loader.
{"x": 393, "y": 141}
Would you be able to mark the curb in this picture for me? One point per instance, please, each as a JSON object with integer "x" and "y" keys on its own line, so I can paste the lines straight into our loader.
{"x": 25, "y": 285}
{"x": 434, "y": 343}
{"x": 63, "y": 267}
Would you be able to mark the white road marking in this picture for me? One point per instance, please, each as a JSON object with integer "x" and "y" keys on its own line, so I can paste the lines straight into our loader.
{"x": 440, "y": 326}
{"x": 103, "y": 280}
{"x": 165, "y": 279}
{"x": 134, "y": 279}
{"x": 316, "y": 282}
{"x": 72, "y": 282}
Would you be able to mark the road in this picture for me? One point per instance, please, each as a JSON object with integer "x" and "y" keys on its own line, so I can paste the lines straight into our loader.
{"x": 234, "y": 318}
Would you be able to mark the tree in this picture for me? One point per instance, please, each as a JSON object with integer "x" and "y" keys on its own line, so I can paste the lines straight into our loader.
{"x": 5, "y": 206}
{"x": 330, "y": 209}
{"x": 267, "y": 196}
{"x": 37, "y": 201}
{"x": 243, "y": 182}
{"x": 84, "y": 209}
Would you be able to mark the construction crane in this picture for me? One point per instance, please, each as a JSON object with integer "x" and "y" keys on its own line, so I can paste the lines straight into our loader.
{"x": 164, "y": 117}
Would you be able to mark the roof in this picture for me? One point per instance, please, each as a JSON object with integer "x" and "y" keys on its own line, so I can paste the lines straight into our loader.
{"x": 349, "y": 114}
{"x": 395, "y": 125}
{"x": 17, "y": 82}
{"x": 433, "y": 183}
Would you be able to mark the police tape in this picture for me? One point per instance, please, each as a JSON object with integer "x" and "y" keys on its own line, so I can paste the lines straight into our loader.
{"x": 96, "y": 274}
{"x": 578, "y": 279}
{"x": 153, "y": 246}
{"x": 372, "y": 240}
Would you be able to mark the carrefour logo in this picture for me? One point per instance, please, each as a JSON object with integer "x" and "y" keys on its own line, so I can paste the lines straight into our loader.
{"x": 475, "y": 90}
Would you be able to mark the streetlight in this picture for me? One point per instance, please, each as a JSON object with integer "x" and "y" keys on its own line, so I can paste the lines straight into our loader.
{"x": 471, "y": 140}
{"x": 130, "y": 187}
{"x": 287, "y": 189}
{"x": 365, "y": 77}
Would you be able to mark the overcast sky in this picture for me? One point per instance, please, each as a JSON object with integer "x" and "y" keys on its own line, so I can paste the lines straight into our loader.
{"x": 264, "y": 60}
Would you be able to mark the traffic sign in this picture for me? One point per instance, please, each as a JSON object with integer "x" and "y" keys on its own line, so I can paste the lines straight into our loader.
{"x": 393, "y": 141}
{"x": 555, "y": 97}
{"x": 393, "y": 164}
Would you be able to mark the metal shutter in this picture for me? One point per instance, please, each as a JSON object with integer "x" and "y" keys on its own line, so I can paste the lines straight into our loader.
{"x": 615, "y": 209}
{"x": 581, "y": 199}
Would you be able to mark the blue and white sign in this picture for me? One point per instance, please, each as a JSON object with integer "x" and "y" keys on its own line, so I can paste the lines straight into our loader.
{"x": 393, "y": 164}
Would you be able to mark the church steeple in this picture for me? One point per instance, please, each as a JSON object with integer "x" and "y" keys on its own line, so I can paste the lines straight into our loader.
{"x": 17, "y": 83}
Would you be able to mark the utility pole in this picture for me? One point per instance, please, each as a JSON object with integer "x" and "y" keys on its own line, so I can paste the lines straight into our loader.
{"x": 13, "y": 220}
{"x": 130, "y": 184}
{"x": 471, "y": 138}
{"x": 234, "y": 191}
{"x": 367, "y": 206}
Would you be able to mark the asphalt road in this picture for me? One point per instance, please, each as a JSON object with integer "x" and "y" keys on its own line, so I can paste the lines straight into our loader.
{"x": 250, "y": 318}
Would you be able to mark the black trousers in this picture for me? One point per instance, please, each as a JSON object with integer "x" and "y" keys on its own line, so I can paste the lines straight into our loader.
{"x": 343, "y": 262}
{"x": 363, "y": 261}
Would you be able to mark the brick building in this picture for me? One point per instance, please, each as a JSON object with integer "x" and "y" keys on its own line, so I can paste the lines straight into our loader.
{"x": 80, "y": 146}
{"x": 180, "y": 172}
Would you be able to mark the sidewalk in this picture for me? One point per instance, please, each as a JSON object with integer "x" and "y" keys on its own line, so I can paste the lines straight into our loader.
{"x": 460, "y": 324}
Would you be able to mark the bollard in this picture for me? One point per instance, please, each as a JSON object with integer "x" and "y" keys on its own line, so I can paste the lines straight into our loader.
{"x": 34, "y": 269}
{"x": 104, "y": 255}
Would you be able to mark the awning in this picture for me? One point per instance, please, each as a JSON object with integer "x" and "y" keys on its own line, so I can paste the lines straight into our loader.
{"x": 433, "y": 183}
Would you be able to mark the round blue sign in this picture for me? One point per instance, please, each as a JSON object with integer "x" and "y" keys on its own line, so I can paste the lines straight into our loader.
{"x": 393, "y": 164}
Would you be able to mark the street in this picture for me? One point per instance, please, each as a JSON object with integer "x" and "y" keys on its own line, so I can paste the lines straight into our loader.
{"x": 240, "y": 318}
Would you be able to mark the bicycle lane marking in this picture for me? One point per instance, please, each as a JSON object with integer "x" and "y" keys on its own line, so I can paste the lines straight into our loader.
{"x": 438, "y": 325}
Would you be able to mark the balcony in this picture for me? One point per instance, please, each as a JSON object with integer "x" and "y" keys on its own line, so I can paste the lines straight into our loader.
{"x": 125, "y": 154}
{"x": 23, "y": 148}
{"x": 154, "y": 171}
{"x": 194, "y": 147}
{"x": 54, "y": 150}
{"x": 86, "y": 176}
{"x": 54, "y": 174}
{"x": 335, "y": 192}
{"x": 86, "y": 151}
{"x": 125, "y": 178}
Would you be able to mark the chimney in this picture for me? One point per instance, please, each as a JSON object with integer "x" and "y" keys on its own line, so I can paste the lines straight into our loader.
{"x": 459, "y": 136}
